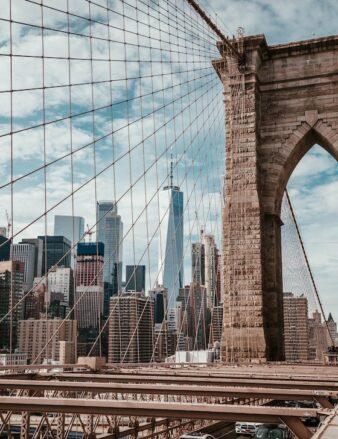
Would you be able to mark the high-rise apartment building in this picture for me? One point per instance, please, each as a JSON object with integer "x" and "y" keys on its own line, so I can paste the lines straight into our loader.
{"x": 34, "y": 334}
{"x": 89, "y": 308}
{"x": 110, "y": 233}
{"x": 131, "y": 328}
{"x": 55, "y": 248}
{"x": 296, "y": 328}
{"x": 198, "y": 263}
{"x": 38, "y": 245}
{"x": 135, "y": 278}
{"x": 11, "y": 291}
{"x": 26, "y": 254}
{"x": 170, "y": 262}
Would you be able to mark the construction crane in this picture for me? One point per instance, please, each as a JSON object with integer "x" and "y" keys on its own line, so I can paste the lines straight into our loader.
{"x": 89, "y": 233}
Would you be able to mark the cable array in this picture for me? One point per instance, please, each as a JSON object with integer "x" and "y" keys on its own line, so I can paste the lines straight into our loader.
{"x": 105, "y": 101}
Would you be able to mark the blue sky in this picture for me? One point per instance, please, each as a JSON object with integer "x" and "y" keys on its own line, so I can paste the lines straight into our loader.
{"x": 313, "y": 186}
{"x": 182, "y": 111}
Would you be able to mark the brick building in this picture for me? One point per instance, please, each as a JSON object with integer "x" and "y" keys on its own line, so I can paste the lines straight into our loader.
{"x": 296, "y": 328}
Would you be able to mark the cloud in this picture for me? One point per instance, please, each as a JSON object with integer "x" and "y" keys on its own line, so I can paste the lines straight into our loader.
{"x": 179, "y": 83}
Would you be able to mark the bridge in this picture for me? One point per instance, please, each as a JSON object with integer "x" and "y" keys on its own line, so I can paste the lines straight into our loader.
{"x": 138, "y": 133}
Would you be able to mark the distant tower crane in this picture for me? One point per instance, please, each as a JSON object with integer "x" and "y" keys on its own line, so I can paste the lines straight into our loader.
{"x": 89, "y": 233}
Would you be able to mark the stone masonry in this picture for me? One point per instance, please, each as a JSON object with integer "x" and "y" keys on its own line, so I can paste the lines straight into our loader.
{"x": 280, "y": 102}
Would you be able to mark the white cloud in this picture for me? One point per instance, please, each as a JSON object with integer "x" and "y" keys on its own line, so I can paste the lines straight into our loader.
{"x": 281, "y": 21}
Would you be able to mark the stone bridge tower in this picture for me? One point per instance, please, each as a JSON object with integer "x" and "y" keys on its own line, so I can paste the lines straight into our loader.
{"x": 279, "y": 102}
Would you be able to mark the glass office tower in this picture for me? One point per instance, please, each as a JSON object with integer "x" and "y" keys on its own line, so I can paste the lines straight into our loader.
{"x": 110, "y": 232}
{"x": 171, "y": 241}
{"x": 55, "y": 248}
{"x": 64, "y": 225}
{"x": 135, "y": 278}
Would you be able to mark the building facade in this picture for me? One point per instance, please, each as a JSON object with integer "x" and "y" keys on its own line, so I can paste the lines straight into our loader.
{"x": 110, "y": 233}
{"x": 216, "y": 324}
{"x": 5, "y": 248}
{"x": 89, "y": 306}
{"x": 296, "y": 328}
{"x": 38, "y": 245}
{"x": 332, "y": 325}
{"x": 319, "y": 339}
{"x": 56, "y": 250}
{"x": 210, "y": 269}
{"x": 89, "y": 292}
{"x": 131, "y": 328}
{"x": 135, "y": 278}
{"x": 34, "y": 335}
{"x": 61, "y": 285}
{"x": 159, "y": 295}
{"x": 90, "y": 263}
{"x": 71, "y": 227}
{"x": 26, "y": 254}
{"x": 11, "y": 291}
{"x": 198, "y": 263}
{"x": 170, "y": 262}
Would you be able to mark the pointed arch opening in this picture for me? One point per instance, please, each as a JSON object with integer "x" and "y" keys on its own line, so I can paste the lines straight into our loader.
{"x": 313, "y": 189}
{"x": 321, "y": 135}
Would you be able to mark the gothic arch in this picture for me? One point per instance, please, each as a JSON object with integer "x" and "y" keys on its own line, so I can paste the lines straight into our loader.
{"x": 299, "y": 143}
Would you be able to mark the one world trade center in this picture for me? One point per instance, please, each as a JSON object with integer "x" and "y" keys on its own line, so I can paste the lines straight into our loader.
{"x": 171, "y": 240}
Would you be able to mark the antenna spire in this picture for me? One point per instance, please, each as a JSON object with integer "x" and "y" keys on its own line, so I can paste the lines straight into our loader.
{"x": 171, "y": 170}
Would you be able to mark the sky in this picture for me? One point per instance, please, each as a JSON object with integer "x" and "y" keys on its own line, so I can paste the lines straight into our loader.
{"x": 131, "y": 170}
{"x": 313, "y": 186}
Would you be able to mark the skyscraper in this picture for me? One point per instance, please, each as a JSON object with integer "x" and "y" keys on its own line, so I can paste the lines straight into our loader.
{"x": 38, "y": 245}
{"x": 296, "y": 327}
{"x": 216, "y": 323}
{"x": 210, "y": 269}
{"x": 61, "y": 283}
{"x": 171, "y": 241}
{"x": 11, "y": 291}
{"x": 135, "y": 278}
{"x": 26, "y": 254}
{"x": 159, "y": 295}
{"x": 65, "y": 224}
{"x": 54, "y": 248}
{"x": 89, "y": 284}
{"x": 110, "y": 233}
{"x": 71, "y": 227}
{"x": 319, "y": 339}
{"x": 89, "y": 267}
{"x": 131, "y": 328}
{"x": 5, "y": 248}
{"x": 198, "y": 263}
